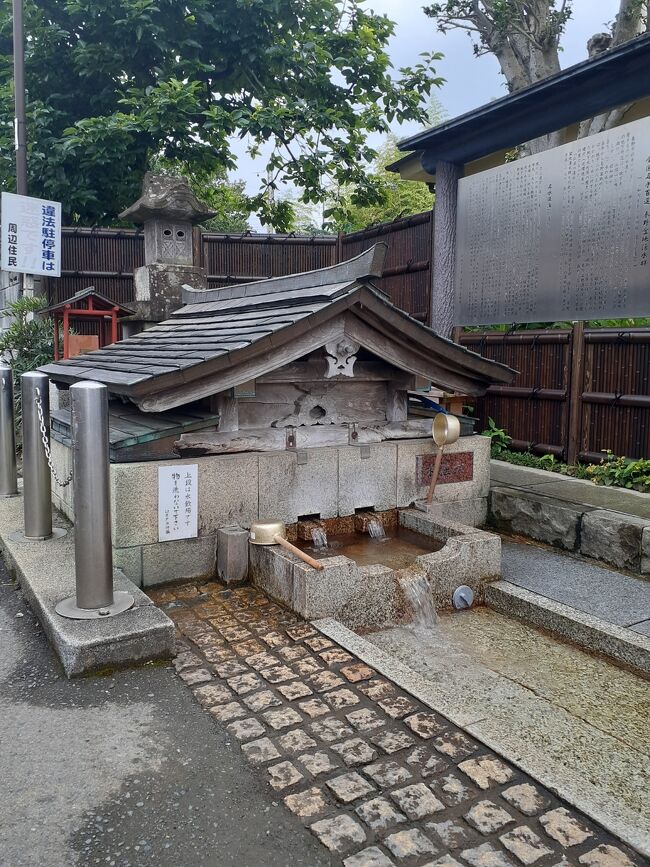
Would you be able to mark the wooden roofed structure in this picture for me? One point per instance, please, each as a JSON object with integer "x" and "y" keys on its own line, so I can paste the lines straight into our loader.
{"x": 226, "y": 337}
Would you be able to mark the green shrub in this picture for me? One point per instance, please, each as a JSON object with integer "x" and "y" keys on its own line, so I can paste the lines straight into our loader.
{"x": 498, "y": 437}
{"x": 621, "y": 472}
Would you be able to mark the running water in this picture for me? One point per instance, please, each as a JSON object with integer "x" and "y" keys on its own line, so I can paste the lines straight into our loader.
{"x": 319, "y": 537}
{"x": 418, "y": 592}
{"x": 376, "y": 529}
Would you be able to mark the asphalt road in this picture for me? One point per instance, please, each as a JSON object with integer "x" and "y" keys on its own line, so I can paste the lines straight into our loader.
{"x": 124, "y": 769}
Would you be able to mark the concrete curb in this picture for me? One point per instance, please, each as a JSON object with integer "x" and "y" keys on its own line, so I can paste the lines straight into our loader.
{"x": 592, "y": 633}
{"x": 575, "y": 790}
{"x": 45, "y": 572}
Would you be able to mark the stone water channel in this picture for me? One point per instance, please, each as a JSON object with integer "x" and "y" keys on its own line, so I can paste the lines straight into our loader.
{"x": 377, "y": 776}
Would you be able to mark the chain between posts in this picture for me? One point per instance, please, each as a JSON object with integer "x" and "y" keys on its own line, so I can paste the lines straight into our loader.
{"x": 46, "y": 444}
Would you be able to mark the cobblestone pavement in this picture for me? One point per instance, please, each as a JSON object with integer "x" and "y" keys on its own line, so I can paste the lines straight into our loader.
{"x": 374, "y": 774}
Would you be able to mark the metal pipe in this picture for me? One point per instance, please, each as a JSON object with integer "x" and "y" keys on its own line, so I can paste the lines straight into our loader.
{"x": 90, "y": 473}
{"x": 37, "y": 482}
{"x": 19, "y": 95}
{"x": 8, "y": 478}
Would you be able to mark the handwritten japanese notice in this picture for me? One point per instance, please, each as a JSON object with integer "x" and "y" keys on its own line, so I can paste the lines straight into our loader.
{"x": 31, "y": 235}
{"x": 178, "y": 490}
{"x": 562, "y": 235}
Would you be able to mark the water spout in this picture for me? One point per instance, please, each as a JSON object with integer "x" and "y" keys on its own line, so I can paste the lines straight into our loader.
{"x": 376, "y": 529}
{"x": 319, "y": 537}
{"x": 418, "y": 592}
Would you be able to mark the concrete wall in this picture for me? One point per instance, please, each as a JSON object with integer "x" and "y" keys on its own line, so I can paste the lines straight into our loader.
{"x": 241, "y": 488}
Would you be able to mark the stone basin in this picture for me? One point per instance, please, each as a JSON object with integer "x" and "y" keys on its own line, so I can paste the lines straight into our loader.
{"x": 370, "y": 595}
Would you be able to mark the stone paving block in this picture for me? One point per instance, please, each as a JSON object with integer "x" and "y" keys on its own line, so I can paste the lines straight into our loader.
{"x": 355, "y": 751}
{"x": 235, "y": 633}
{"x": 318, "y": 643}
{"x": 377, "y": 689}
{"x": 486, "y": 855}
{"x": 293, "y": 652}
{"x": 305, "y": 667}
{"x": 318, "y": 763}
{"x": 282, "y": 719}
{"x": 485, "y": 771}
{"x": 295, "y": 690}
{"x": 230, "y": 668}
{"x": 349, "y": 787}
{"x": 538, "y": 517}
{"x": 528, "y": 799}
{"x": 605, "y": 856}
{"x": 392, "y": 741}
{"x": 261, "y": 661}
{"x": 279, "y": 674}
{"x": 246, "y": 729}
{"x": 613, "y": 537}
{"x": 324, "y": 681}
{"x": 242, "y": 684}
{"x": 365, "y": 719}
{"x": 456, "y": 745}
{"x": 341, "y": 698}
{"x": 218, "y": 655}
{"x": 307, "y": 804}
{"x": 425, "y": 725}
{"x": 370, "y": 857}
{"x": 334, "y": 656}
{"x": 453, "y": 833}
{"x": 330, "y": 729}
{"x": 261, "y": 701}
{"x": 283, "y": 775}
{"x": 387, "y": 773}
{"x": 260, "y": 751}
{"x": 525, "y": 845}
{"x": 453, "y": 791}
{"x": 248, "y": 648}
{"x": 227, "y": 712}
{"x": 274, "y": 639}
{"x": 314, "y": 708}
{"x": 426, "y": 761}
{"x": 444, "y": 861}
{"x": 339, "y": 834}
{"x": 417, "y": 801}
{"x": 564, "y": 827}
{"x": 488, "y": 818}
{"x": 295, "y": 742}
{"x": 186, "y": 660}
{"x": 195, "y": 675}
{"x": 300, "y": 631}
{"x": 379, "y": 814}
{"x": 357, "y": 672}
{"x": 213, "y": 693}
{"x": 397, "y": 706}
{"x": 409, "y": 844}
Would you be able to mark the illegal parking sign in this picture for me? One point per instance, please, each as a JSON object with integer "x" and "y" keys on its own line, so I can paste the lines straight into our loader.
{"x": 31, "y": 235}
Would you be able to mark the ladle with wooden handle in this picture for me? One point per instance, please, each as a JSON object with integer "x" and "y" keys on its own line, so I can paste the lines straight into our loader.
{"x": 445, "y": 430}
{"x": 275, "y": 533}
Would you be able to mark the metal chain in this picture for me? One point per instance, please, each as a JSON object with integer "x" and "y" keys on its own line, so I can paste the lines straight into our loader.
{"x": 46, "y": 444}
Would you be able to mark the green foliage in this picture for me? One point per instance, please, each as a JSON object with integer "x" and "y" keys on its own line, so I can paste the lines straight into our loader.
{"x": 28, "y": 342}
{"x": 628, "y": 322}
{"x": 498, "y": 437}
{"x": 543, "y": 462}
{"x": 621, "y": 472}
{"x": 115, "y": 84}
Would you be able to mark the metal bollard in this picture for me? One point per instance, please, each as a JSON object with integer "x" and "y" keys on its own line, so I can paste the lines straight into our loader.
{"x": 37, "y": 483}
{"x": 92, "y": 506}
{"x": 8, "y": 477}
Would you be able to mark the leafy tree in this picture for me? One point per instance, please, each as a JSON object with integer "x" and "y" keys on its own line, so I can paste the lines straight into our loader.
{"x": 525, "y": 36}
{"x": 113, "y": 84}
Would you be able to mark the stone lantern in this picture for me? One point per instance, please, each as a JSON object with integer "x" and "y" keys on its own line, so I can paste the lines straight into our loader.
{"x": 168, "y": 210}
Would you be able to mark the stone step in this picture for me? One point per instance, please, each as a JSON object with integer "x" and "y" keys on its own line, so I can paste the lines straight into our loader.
{"x": 592, "y": 633}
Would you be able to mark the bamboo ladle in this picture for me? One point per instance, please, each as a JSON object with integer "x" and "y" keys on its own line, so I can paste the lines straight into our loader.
{"x": 275, "y": 533}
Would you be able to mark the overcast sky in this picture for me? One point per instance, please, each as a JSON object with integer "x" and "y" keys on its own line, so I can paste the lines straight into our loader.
{"x": 470, "y": 81}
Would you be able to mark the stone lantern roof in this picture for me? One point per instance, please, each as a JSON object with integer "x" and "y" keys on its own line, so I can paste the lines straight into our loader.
{"x": 165, "y": 197}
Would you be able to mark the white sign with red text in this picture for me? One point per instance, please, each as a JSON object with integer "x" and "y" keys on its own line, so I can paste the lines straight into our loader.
{"x": 31, "y": 235}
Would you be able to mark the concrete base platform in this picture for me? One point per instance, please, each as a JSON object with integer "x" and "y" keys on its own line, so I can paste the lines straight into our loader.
{"x": 45, "y": 571}
{"x": 585, "y": 630}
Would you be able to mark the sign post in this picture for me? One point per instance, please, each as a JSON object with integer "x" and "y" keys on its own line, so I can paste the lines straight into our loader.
{"x": 31, "y": 235}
